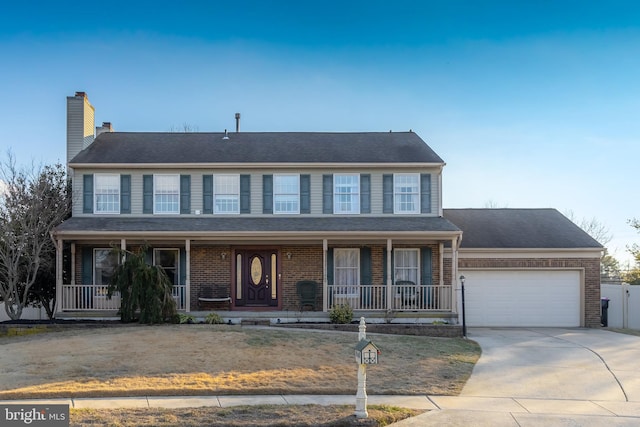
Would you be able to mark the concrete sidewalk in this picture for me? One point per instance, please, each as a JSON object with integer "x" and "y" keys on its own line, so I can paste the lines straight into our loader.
{"x": 441, "y": 410}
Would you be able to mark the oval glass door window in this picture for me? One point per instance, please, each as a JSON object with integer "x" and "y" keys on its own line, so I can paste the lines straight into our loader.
{"x": 256, "y": 271}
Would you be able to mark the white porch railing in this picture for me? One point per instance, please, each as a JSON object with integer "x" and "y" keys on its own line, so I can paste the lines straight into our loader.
{"x": 410, "y": 298}
{"x": 94, "y": 298}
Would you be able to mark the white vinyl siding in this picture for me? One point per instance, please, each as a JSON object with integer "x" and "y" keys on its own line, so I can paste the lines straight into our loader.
{"x": 286, "y": 194}
{"x": 166, "y": 194}
{"x": 226, "y": 194}
{"x": 256, "y": 186}
{"x": 106, "y": 194}
{"x": 346, "y": 193}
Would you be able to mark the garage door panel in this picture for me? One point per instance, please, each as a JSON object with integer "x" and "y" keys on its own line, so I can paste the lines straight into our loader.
{"x": 522, "y": 297}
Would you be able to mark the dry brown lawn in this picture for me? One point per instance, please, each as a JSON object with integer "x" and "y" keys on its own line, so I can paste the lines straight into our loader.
{"x": 220, "y": 359}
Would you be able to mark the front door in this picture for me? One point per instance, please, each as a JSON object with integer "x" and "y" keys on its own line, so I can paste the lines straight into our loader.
{"x": 256, "y": 278}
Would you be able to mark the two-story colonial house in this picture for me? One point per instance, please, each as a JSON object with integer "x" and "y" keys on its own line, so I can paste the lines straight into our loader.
{"x": 244, "y": 217}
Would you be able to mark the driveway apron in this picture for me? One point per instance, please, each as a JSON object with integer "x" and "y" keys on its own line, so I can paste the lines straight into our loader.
{"x": 551, "y": 363}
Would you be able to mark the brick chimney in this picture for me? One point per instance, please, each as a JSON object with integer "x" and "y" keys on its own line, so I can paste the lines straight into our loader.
{"x": 80, "y": 124}
{"x": 106, "y": 127}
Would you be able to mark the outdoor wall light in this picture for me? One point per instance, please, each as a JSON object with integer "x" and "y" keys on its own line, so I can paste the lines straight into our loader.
{"x": 288, "y": 255}
{"x": 223, "y": 255}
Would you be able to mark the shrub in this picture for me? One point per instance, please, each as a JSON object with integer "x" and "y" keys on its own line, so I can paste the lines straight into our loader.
{"x": 213, "y": 319}
{"x": 186, "y": 318}
{"x": 341, "y": 313}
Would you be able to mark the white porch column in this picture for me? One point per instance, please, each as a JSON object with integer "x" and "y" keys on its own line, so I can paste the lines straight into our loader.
{"x": 187, "y": 249}
{"x": 59, "y": 256}
{"x": 325, "y": 283}
{"x": 389, "y": 273}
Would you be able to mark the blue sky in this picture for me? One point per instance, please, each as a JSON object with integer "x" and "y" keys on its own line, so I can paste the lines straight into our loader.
{"x": 531, "y": 104}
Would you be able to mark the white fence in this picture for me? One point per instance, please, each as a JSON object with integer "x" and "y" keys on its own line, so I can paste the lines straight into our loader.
{"x": 624, "y": 305}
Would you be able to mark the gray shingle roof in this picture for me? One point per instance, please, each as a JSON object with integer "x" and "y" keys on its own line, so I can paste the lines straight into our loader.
{"x": 204, "y": 224}
{"x": 518, "y": 228}
{"x": 257, "y": 147}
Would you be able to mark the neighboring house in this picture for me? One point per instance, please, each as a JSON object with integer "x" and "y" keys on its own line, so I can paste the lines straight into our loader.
{"x": 248, "y": 215}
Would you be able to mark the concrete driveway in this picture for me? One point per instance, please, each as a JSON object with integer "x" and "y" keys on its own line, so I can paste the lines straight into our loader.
{"x": 546, "y": 376}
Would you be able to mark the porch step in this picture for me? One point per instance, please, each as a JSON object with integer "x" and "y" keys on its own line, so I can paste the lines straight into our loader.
{"x": 255, "y": 322}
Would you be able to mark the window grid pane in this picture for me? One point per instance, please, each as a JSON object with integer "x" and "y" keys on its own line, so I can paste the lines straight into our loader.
{"x": 166, "y": 193}
{"x": 168, "y": 260}
{"x": 286, "y": 194}
{"x": 346, "y": 271}
{"x": 226, "y": 194}
{"x": 107, "y": 193}
{"x": 406, "y": 193}
{"x": 406, "y": 265}
{"x": 346, "y": 194}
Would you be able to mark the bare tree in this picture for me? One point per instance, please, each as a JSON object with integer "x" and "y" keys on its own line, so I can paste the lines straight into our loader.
{"x": 33, "y": 203}
{"x": 609, "y": 265}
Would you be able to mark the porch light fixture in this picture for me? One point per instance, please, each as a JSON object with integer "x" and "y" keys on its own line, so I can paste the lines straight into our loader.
{"x": 288, "y": 255}
{"x": 223, "y": 255}
{"x": 464, "y": 323}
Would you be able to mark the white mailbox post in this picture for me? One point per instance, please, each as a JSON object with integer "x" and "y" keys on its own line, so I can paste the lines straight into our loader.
{"x": 366, "y": 354}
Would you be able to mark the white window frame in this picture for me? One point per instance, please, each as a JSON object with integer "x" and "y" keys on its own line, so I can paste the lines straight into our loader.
{"x": 156, "y": 259}
{"x": 229, "y": 193}
{"x": 354, "y": 202}
{"x": 398, "y": 195}
{"x": 399, "y": 271}
{"x": 346, "y": 289}
{"x": 284, "y": 195}
{"x": 104, "y": 187}
{"x": 175, "y": 192}
{"x": 102, "y": 291}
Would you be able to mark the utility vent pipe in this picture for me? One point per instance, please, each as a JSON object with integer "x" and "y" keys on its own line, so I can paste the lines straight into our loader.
{"x": 237, "y": 122}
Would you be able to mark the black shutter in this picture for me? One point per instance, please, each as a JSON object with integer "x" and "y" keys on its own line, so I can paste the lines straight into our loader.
{"x": 365, "y": 266}
{"x": 327, "y": 194}
{"x": 387, "y": 193}
{"x": 305, "y": 194}
{"x": 427, "y": 277}
{"x": 365, "y": 193}
{"x": 185, "y": 194}
{"x": 207, "y": 194}
{"x": 125, "y": 194}
{"x": 87, "y": 266}
{"x": 87, "y": 193}
{"x": 147, "y": 194}
{"x": 245, "y": 194}
{"x": 425, "y": 193}
{"x": 267, "y": 194}
{"x": 330, "y": 266}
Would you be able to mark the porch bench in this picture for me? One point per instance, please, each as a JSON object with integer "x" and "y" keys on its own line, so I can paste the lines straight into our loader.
{"x": 207, "y": 295}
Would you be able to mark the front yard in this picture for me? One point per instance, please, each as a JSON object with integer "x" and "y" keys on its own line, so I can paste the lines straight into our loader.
{"x": 208, "y": 360}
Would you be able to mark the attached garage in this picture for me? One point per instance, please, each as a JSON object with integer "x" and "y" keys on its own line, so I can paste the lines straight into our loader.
{"x": 522, "y": 297}
{"x": 526, "y": 267}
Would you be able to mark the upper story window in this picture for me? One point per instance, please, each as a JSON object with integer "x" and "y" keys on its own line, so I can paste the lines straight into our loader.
{"x": 346, "y": 194}
{"x": 106, "y": 193}
{"x": 286, "y": 194}
{"x": 406, "y": 193}
{"x": 166, "y": 194}
{"x": 226, "y": 194}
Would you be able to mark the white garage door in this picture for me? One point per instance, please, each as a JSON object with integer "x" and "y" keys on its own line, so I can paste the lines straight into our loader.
{"x": 522, "y": 297}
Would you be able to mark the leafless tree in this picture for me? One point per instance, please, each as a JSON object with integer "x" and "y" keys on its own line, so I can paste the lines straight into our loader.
{"x": 33, "y": 202}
